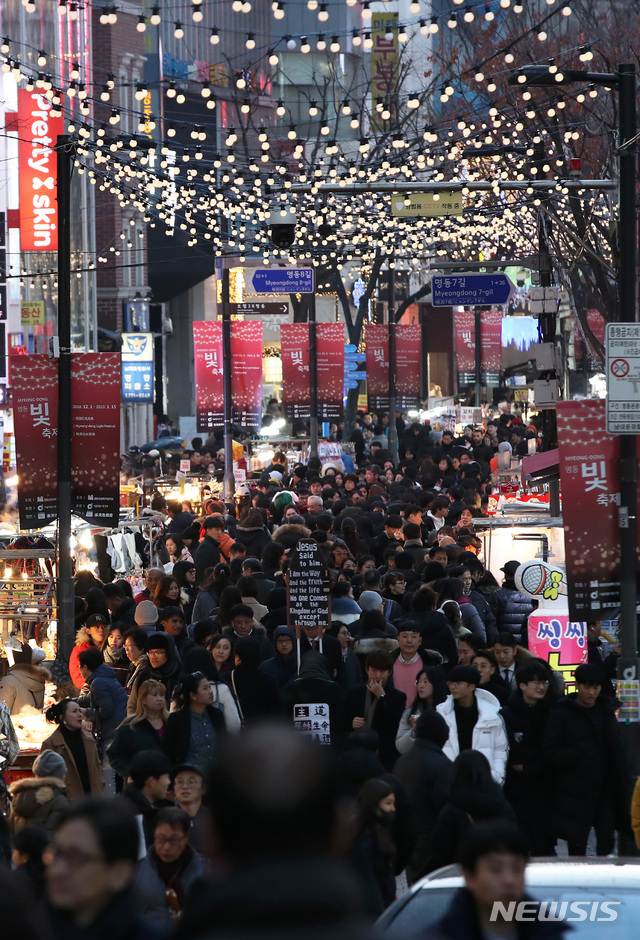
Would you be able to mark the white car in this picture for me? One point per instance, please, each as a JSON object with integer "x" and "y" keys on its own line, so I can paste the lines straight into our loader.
{"x": 605, "y": 894}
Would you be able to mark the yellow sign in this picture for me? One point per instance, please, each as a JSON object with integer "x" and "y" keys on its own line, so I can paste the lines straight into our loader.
{"x": 427, "y": 205}
{"x": 521, "y": 394}
{"x": 362, "y": 403}
{"x": 32, "y": 312}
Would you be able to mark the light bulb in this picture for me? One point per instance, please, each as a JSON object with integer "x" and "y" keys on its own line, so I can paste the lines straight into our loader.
{"x": 251, "y": 42}
{"x": 323, "y": 13}
{"x": 335, "y": 45}
{"x": 304, "y": 45}
{"x": 155, "y": 19}
{"x": 142, "y": 24}
{"x": 178, "y": 31}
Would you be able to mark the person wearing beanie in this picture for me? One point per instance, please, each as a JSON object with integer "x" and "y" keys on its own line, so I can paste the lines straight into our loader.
{"x": 40, "y": 800}
{"x": 164, "y": 664}
{"x": 425, "y": 773}
{"x": 23, "y": 685}
{"x": 474, "y": 720}
{"x": 283, "y": 667}
{"x": 146, "y": 616}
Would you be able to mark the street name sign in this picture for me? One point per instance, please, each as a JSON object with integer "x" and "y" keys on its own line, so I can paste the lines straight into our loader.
{"x": 282, "y": 280}
{"x": 470, "y": 290}
{"x": 622, "y": 346}
{"x": 259, "y": 309}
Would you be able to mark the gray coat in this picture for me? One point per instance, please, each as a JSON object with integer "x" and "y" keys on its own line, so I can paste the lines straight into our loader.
{"x": 152, "y": 891}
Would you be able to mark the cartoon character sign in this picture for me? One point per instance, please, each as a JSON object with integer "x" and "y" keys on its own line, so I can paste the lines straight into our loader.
{"x": 552, "y": 635}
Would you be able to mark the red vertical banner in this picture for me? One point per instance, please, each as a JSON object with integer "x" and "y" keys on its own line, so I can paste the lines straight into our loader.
{"x": 330, "y": 346}
{"x": 491, "y": 341}
{"x": 408, "y": 348}
{"x": 34, "y": 383}
{"x": 207, "y": 354}
{"x": 37, "y": 135}
{"x": 465, "y": 345}
{"x": 95, "y": 440}
{"x": 377, "y": 341}
{"x": 246, "y": 373}
{"x": 590, "y": 501}
{"x": 294, "y": 348}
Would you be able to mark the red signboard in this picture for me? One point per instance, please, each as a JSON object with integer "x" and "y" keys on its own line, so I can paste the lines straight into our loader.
{"x": 246, "y": 373}
{"x": 207, "y": 352}
{"x": 465, "y": 342}
{"x": 37, "y": 135}
{"x": 408, "y": 346}
{"x": 588, "y": 459}
{"x": 597, "y": 325}
{"x": 491, "y": 334}
{"x": 330, "y": 346}
{"x": 560, "y": 641}
{"x": 294, "y": 345}
{"x": 95, "y": 441}
{"x": 34, "y": 382}
{"x": 377, "y": 340}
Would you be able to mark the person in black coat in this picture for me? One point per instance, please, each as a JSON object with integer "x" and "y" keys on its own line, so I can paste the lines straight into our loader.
{"x": 374, "y": 854}
{"x": 470, "y": 915}
{"x": 581, "y": 742}
{"x": 314, "y": 686}
{"x": 283, "y": 667}
{"x": 434, "y": 629}
{"x": 192, "y": 734}
{"x": 490, "y": 679}
{"x": 426, "y": 773}
{"x": 377, "y": 706}
{"x": 331, "y": 649}
{"x": 207, "y": 554}
{"x": 256, "y": 693}
{"x": 526, "y": 716}
{"x": 474, "y": 797}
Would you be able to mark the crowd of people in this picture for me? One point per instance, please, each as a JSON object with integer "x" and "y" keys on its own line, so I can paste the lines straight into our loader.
{"x": 178, "y": 789}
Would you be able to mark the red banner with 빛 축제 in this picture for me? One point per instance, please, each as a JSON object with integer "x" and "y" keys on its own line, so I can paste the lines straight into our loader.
{"x": 34, "y": 383}
{"x": 246, "y": 373}
{"x": 330, "y": 346}
{"x": 294, "y": 346}
{"x": 408, "y": 348}
{"x": 37, "y": 135}
{"x": 95, "y": 441}
{"x": 465, "y": 345}
{"x": 491, "y": 342}
{"x": 209, "y": 382}
{"x": 377, "y": 342}
{"x": 588, "y": 459}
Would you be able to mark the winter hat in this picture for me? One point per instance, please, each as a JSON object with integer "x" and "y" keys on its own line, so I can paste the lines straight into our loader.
{"x": 510, "y": 568}
{"x": 96, "y": 620}
{"x": 158, "y": 641}
{"x": 146, "y": 614}
{"x": 284, "y": 631}
{"x": 369, "y": 600}
{"x": 464, "y": 674}
{"x": 49, "y": 764}
{"x": 37, "y": 656}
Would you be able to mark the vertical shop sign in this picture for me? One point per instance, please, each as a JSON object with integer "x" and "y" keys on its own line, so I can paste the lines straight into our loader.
{"x": 95, "y": 441}
{"x": 408, "y": 346}
{"x": 137, "y": 367}
{"x": 491, "y": 338}
{"x": 330, "y": 346}
{"x": 37, "y": 134}
{"x": 385, "y": 60}
{"x": 588, "y": 459}
{"x": 246, "y": 373}
{"x": 294, "y": 344}
{"x": 207, "y": 349}
{"x": 34, "y": 381}
{"x": 377, "y": 340}
{"x": 465, "y": 346}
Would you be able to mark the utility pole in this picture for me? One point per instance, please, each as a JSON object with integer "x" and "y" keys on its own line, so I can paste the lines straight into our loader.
{"x": 229, "y": 479}
{"x": 393, "y": 428}
{"x": 65, "y": 591}
{"x": 627, "y": 293}
{"x": 313, "y": 377}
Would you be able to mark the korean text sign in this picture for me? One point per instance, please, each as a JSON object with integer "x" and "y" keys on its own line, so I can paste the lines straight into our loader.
{"x": 590, "y": 508}
{"x": 294, "y": 344}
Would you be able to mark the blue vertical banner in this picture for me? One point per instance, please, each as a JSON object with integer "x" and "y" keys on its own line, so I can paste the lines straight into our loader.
{"x": 137, "y": 367}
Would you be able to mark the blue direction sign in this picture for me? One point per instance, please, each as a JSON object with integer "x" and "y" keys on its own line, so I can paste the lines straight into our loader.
{"x": 355, "y": 357}
{"x": 470, "y": 290}
{"x": 282, "y": 280}
{"x": 351, "y": 384}
{"x": 350, "y": 348}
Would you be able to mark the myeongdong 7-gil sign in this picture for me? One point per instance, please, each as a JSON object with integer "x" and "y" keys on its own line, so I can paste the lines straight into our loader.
{"x": 37, "y": 135}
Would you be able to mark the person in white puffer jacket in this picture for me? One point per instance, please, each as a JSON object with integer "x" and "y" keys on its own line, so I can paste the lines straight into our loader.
{"x": 474, "y": 720}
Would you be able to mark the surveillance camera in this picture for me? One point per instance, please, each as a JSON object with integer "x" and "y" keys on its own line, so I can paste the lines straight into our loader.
{"x": 282, "y": 224}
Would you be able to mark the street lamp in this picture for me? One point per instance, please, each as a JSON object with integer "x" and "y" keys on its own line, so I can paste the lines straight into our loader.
{"x": 624, "y": 81}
